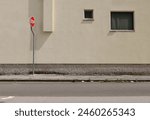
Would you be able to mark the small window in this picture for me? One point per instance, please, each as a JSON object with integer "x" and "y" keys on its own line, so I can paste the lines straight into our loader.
{"x": 88, "y": 14}
{"x": 122, "y": 21}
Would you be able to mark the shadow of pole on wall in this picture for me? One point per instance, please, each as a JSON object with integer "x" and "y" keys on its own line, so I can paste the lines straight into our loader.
{"x": 36, "y": 10}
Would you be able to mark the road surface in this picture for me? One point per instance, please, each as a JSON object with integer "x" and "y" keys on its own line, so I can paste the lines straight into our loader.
{"x": 74, "y": 92}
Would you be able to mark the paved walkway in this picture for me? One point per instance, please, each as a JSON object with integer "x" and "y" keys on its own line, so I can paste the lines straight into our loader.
{"x": 53, "y": 77}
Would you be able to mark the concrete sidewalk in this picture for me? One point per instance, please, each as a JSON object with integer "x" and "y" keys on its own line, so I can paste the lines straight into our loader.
{"x": 55, "y": 77}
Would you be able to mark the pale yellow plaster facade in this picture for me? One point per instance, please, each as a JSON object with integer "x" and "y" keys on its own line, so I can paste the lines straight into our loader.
{"x": 67, "y": 38}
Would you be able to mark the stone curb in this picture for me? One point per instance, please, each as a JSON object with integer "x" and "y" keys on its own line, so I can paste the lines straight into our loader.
{"x": 46, "y": 77}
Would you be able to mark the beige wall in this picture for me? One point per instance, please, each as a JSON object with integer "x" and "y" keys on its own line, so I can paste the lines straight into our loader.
{"x": 73, "y": 40}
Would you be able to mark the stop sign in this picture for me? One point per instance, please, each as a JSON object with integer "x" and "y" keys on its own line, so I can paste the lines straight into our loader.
{"x": 32, "y": 21}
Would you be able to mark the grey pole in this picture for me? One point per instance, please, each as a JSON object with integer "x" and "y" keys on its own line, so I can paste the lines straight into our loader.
{"x": 33, "y": 62}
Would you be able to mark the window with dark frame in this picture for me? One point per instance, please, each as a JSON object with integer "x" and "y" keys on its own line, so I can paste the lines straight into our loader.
{"x": 122, "y": 21}
{"x": 88, "y": 14}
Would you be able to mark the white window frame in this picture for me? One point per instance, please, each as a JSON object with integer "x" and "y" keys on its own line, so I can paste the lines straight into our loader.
{"x": 88, "y": 19}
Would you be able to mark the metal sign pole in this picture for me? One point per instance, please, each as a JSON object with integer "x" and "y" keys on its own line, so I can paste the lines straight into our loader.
{"x": 33, "y": 62}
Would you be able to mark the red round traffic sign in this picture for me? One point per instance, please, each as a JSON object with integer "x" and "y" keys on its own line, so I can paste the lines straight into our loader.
{"x": 32, "y": 21}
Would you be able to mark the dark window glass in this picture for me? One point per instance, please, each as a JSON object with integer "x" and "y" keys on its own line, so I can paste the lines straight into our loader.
{"x": 88, "y": 14}
{"x": 122, "y": 21}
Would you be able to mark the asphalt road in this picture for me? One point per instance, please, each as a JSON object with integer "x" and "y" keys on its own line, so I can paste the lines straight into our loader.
{"x": 74, "y": 92}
